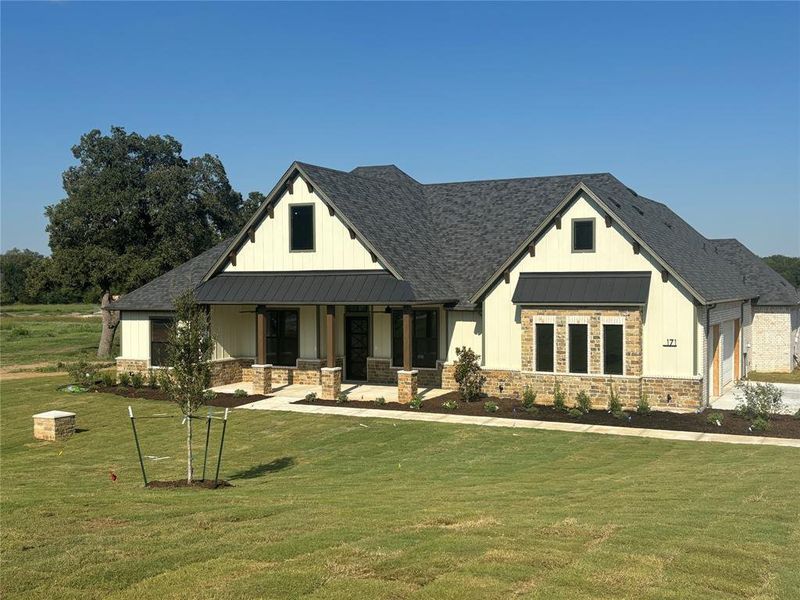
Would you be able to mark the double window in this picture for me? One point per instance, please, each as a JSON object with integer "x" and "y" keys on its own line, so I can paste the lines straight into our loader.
{"x": 424, "y": 338}
{"x": 301, "y": 232}
{"x": 282, "y": 335}
{"x": 159, "y": 334}
{"x": 578, "y": 348}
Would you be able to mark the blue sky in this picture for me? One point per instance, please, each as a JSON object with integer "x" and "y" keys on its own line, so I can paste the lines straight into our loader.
{"x": 694, "y": 105}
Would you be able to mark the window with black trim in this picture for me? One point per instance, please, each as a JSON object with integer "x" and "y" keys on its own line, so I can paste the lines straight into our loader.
{"x": 544, "y": 347}
{"x": 612, "y": 349}
{"x": 301, "y": 227}
{"x": 282, "y": 336}
{"x": 578, "y": 348}
{"x": 159, "y": 334}
{"x": 583, "y": 235}
{"x": 424, "y": 338}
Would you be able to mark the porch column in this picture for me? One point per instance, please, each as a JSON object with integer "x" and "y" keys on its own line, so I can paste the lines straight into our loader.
{"x": 261, "y": 335}
{"x": 331, "y": 375}
{"x": 407, "y": 378}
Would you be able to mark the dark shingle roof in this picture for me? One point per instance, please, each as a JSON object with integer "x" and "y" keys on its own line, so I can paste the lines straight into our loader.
{"x": 773, "y": 290}
{"x": 160, "y": 293}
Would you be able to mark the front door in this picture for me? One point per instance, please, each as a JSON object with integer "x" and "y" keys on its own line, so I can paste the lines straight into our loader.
{"x": 356, "y": 347}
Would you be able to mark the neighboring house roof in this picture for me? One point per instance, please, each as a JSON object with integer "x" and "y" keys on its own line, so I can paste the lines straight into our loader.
{"x": 773, "y": 289}
{"x": 449, "y": 241}
{"x": 622, "y": 288}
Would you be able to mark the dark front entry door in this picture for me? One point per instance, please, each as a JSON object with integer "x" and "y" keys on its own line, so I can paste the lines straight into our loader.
{"x": 356, "y": 336}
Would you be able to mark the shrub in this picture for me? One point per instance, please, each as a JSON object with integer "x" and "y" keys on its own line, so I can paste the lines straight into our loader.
{"x": 532, "y": 410}
{"x": 576, "y": 413}
{"x": 643, "y": 406}
{"x": 528, "y": 398}
{"x": 108, "y": 378}
{"x": 450, "y": 405}
{"x": 759, "y": 424}
{"x": 797, "y": 414}
{"x": 559, "y": 399}
{"x": 582, "y": 402}
{"x": 416, "y": 402}
{"x": 208, "y": 396}
{"x": 311, "y": 397}
{"x": 614, "y": 405}
{"x": 715, "y": 418}
{"x": 239, "y": 393}
{"x": 137, "y": 380}
{"x": 759, "y": 400}
{"x": 152, "y": 378}
{"x": 619, "y": 414}
{"x": 125, "y": 378}
{"x": 342, "y": 398}
{"x": 380, "y": 400}
{"x": 82, "y": 373}
{"x": 468, "y": 374}
{"x": 491, "y": 407}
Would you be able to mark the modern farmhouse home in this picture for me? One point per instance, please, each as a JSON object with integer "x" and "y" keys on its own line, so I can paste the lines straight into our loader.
{"x": 371, "y": 276}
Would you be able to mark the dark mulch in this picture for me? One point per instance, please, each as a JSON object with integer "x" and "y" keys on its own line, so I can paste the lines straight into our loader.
{"x": 209, "y": 484}
{"x": 146, "y": 393}
{"x": 784, "y": 426}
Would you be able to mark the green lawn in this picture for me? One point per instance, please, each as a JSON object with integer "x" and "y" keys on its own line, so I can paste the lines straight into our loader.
{"x": 46, "y": 334}
{"x": 333, "y": 507}
{"x": 793, "y": 377}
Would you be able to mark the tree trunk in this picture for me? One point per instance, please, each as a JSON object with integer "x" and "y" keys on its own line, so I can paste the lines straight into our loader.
{"x": 189, "y": 467}
{"x": 110, "y": 323}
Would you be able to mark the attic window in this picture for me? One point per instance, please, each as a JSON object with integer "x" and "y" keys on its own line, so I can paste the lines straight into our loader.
{"x": 583, "y": 235}
{"x": 301, "y": 227}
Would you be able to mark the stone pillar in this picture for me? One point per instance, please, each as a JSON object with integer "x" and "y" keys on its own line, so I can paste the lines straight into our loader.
{"x": 406, "y": 385}
{"x": 53, "y": 425}
{"x": 262, "y": 379}
{"x": 331, "y": 383}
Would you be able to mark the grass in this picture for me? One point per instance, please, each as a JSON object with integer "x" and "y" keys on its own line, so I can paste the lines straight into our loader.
{"x": 49, "y": 333}
{"x": 793, "y": 377}
{"x": 333, "y": 507}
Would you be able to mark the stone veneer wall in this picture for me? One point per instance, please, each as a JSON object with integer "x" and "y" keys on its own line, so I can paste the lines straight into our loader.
{"x": 381, "y": 371}
{"x": 307, "y": 372}
{"x": 229, "y": 370}
{"x": 132, "y": 365}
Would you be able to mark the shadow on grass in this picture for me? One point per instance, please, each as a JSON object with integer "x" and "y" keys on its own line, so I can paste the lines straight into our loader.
{"x": 279, "y": 464}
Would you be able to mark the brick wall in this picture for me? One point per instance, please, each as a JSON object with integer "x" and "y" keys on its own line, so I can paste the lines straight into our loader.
{"x": 229, "y": 370}
{"x": 771, "y": 345}
{"x": 133, "y": 365}
{"x": 381, "y": 371}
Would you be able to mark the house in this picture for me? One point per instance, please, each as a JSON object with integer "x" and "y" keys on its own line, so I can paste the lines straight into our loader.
{"x": 369, "y": 275}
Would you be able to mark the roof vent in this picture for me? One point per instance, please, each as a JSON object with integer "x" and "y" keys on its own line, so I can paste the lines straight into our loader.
{"x": 637, "y": 209}
{"x": 617, "y": 204}
{"x": 668, "y": 224}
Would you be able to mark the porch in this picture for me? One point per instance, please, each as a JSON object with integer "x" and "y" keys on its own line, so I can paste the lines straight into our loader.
{"x": 355, "y": 391}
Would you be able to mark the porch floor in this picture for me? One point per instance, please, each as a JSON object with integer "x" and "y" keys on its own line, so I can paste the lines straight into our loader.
{"x": 356, "y": 391}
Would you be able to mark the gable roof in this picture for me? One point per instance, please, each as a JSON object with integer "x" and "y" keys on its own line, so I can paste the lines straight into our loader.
{"x": 452, "y": 240}
{"x": 773, "y": 289}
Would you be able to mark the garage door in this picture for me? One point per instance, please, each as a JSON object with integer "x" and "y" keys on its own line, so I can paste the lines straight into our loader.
{"x": 728, "y": 342}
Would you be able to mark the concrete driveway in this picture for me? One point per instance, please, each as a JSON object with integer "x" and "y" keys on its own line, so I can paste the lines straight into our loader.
{"x": 791, "y": 398}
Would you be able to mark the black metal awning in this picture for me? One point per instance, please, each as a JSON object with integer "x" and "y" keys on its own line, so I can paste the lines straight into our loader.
{"x": 305, "y": 287}
{"x": 592, "y": 288}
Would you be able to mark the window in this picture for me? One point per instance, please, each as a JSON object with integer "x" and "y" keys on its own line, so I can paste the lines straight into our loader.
{"x": 282, "y": 337}
{"x": 583, "y": 235}
{"x": 612, "y": 349}
{"x": 302, "y": 227}
{"x": 159, "y": 332}
{"x": 578, "y": 348}
{"x": 544, "y": 347}
{"x": 424, "y": 338}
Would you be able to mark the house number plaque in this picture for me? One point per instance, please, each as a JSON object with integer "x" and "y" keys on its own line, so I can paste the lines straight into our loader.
{"x": 671, "y": 343}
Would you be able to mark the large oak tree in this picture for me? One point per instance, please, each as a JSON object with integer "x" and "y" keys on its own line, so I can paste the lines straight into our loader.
{"x": 134, "y": 209}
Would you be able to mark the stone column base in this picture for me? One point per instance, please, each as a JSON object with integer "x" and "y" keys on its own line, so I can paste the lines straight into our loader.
{"x": 406, "y": 386}
{"x": 53, "y": 425}
{"x": 331, "y": 383}
{"x": 262, "y": 379}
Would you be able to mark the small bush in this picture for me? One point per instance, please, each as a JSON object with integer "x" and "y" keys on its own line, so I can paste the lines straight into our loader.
{"x": 643, "y": 406}
{"x": 137, "y": 380}
{"x": 759, "y": 400}
{"x": 380, "y": 400}
{"x": 528, "y": 397}
{"x": 532, "y": 410}
{"x": 715, "y": 418}
{"x": 759, "y": 424}
{"x": 582, "y": 402}
{"x": 311, "y": 397}
{"x": 614, "y": 405}
{"x": 576, "y": 413}
{"x": 416, "y": 402}
{"x": 108, "y": 378}
{"x": 797, "y": 414}
{"x": 619, "y": 414}
{"x": 467, "y": 374}
{"x": 239, "y": 393}
{"x": 125, "y": 378}
{"x": 490, "y": 407}
{"x": 209, "y": 396}
{"x": 450, "y": 405}
{"x": 152, "y": 378}
{"x": 559, "y": 399}
{"x": 82, "y": 373}
{"x": 342, "y": 398}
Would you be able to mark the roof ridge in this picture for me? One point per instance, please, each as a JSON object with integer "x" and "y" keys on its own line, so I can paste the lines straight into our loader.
{"x": 564, "y": 176}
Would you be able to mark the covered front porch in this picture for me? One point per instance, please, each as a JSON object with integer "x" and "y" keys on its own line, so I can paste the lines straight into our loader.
{"x": 355, "y": 391}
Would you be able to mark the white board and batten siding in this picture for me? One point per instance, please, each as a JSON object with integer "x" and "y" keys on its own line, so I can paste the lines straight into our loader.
{"x": 670, "y": 326}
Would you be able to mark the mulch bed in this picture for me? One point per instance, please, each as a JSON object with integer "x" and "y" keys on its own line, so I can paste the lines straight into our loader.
{"x": 144, "y": 393}
{"x": 209, "y": 484}
{"x": 783, "y": 426}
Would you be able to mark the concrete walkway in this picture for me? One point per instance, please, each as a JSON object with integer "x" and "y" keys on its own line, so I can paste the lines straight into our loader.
{"x": 284, "y": 403}
{"x": 791, "y": 398}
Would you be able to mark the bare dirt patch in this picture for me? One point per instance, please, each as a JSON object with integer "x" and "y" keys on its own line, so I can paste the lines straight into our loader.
{"x": 220, "y": 400}
{"x": 209, "y": 484}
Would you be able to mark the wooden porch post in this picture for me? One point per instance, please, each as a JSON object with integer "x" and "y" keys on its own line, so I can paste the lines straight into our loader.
{"x": 330, "y": 338}
{"x": 261, "y": 335}
{"x": 407, "y": 338}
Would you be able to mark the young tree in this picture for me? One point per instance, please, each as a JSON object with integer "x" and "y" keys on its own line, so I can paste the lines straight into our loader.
{"x": 189, "y": 345}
